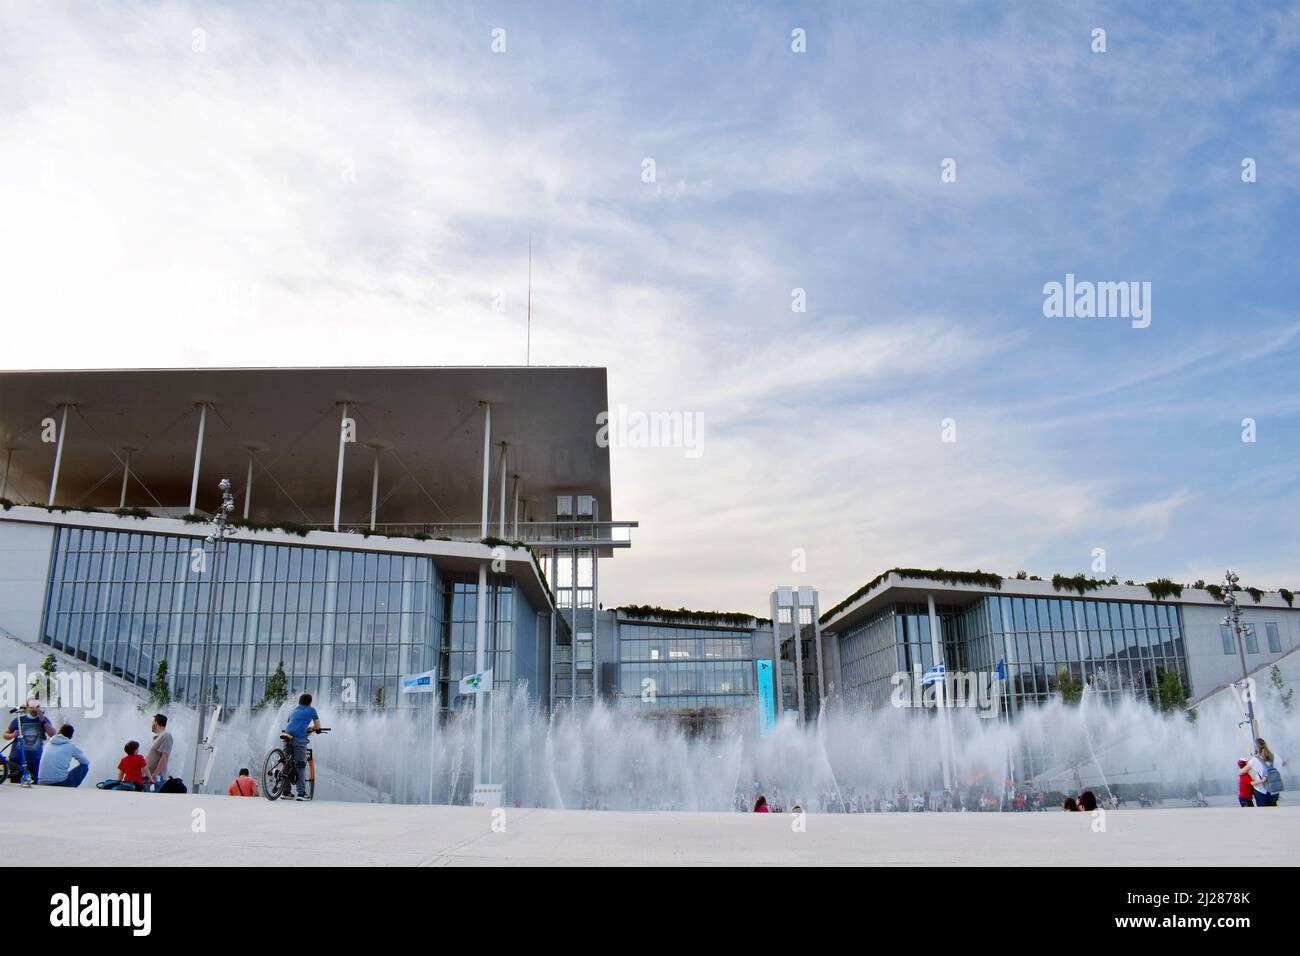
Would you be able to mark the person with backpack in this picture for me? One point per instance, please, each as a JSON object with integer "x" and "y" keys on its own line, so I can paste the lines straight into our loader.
{"x": 32, "y": 728}
{"x": 1264, "y": 775}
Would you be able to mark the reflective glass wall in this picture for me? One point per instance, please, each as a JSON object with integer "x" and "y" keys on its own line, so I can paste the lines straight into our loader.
{"x": 697, "y": 674}
{"x": 345, "y": 624}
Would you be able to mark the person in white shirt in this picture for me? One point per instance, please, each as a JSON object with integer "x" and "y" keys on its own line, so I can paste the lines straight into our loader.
{"x": 1258, "y": 766}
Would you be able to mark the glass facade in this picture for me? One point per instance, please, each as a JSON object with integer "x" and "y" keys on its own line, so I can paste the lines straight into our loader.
{"x": 346, "y": 624}
{"x": 1119, "y": 647}
{"x": 699, "y": 674}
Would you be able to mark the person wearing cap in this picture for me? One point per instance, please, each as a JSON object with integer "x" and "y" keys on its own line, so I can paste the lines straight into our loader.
{"x": 35, "y": 729}
{"x": 1245, "y": 788}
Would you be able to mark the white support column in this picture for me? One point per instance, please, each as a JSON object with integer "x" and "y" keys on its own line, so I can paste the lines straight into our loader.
{"x": 126, "y": 474}
{"x": 248, "y": 486}
{"x": 374, "y": 492}
{"x": 198, "y": 456}
{"x": 480, "y": 621}
{"x": 941, "y": 696}
{"x": 515, "y": 537}
{"x": 501, "y": 505}
{"x": 58, "y": 453}
{"x": 338, "y": 481}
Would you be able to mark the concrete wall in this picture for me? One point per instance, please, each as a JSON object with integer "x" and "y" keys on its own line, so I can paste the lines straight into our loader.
{"x": 25, "y": 551}
{"x": 1210, "y": 668}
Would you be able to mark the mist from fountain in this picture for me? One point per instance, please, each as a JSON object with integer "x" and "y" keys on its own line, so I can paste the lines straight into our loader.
{"x": 613, "y": 757}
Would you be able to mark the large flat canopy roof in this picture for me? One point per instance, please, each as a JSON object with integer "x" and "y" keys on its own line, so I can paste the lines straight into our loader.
{"x": 426, "y": 424}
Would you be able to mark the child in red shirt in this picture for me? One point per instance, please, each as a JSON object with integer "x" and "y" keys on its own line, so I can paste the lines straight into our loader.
{"x": 1245, "y": 789}
{"x": 131, "y": 768}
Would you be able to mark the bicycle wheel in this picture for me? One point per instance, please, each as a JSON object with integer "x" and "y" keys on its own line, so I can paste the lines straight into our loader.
{"x": 275, "y": 775}
{"x": 4, "y": 770}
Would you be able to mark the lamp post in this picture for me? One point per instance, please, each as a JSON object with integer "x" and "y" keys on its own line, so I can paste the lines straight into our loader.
{"x": 221, "y": 529}
{"x": 1233, "y": 620}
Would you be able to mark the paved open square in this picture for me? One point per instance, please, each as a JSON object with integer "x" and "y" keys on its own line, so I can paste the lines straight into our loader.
{"x": 59, "y": 827}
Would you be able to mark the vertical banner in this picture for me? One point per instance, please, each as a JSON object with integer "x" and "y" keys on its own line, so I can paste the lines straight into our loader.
{"x": 766, "y": 697}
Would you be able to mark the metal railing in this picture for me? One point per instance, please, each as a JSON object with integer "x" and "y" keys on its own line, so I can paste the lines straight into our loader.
{"x": 606, "y": 534}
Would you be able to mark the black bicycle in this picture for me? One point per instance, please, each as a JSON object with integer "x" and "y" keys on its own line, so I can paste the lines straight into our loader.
{"x": 279, "y": 774}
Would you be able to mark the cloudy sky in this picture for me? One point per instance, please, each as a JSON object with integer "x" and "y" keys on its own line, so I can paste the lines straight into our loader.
{"x": 291, "y": 171}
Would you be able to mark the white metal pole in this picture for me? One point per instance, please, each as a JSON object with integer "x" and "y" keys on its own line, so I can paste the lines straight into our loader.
{"x": 936, "y": 650}
{"x": 58, "y": 453}
{"x": 516, "y": 534}
{"x": 338, "y": 481}
{"x": 480, "y": 621}
{"x": 501, "y": 505}
{"x": 4, "y": 485}
{"x": 126, "y": 473}
{"x": 374, "y": 492}
{"x": 198, "y": 458}
{"x": 248, "y": 487}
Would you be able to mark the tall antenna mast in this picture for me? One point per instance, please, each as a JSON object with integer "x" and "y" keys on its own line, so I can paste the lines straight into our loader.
{"x": 528, "y": 347}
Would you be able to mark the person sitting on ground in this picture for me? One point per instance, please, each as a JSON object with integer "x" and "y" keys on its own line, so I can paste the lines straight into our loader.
{"x": 1087, "y": 801}
{"x": 56, "y": 765}
{"x": 1069, "y": 806}
{"x": 760, "y": 805}
{"x": 132, "y": 768}
{"x": 243, "y": 785}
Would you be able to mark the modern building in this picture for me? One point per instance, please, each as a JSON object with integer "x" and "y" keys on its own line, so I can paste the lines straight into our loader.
{"x": 390, "y": 521}
{"x": 394, "y": 521}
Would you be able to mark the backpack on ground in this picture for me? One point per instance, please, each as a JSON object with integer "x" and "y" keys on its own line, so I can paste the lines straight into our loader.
{"x": 173, "y": 785}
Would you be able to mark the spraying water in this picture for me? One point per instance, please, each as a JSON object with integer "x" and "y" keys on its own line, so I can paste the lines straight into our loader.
{"x": 613, "y": 757}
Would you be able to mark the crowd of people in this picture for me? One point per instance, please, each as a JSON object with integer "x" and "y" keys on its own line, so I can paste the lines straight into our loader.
{"x": 45, "y": 755}
{"x": 42, "y": 754}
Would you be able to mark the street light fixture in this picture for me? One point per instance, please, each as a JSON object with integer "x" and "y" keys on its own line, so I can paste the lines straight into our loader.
{"x": 1233, "y": 620}
{"x": 221, "y": 529}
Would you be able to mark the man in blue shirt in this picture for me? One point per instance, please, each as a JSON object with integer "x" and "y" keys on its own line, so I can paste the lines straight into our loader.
{"x": 302, "y": 721}
{"x": 34, "y": 727}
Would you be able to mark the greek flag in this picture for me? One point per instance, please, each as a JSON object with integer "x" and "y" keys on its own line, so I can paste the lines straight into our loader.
{"x": 419, "y": 683}
{"x": 933, "y": 676}
{"x": 476, "y": 683}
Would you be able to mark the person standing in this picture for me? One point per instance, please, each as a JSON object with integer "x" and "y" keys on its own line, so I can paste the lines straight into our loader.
{"x": 1264, "y": 775}
{"x": 35, "y": 728}
{"x": 1245, "y": 789}
{"x": 303, "y": 720}
{"x": 57, "y": 770}
{"x": 160, "y": 751}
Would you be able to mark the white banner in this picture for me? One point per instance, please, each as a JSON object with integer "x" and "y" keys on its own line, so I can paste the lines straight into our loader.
{"x": 476, "y": 683}
{"x": 420, "y": 683}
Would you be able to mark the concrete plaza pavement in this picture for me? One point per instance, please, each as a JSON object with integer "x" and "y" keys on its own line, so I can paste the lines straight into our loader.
{"x": 88, "y": 827}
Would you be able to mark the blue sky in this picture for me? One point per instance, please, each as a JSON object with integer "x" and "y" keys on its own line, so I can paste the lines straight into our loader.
{"x": 288, "y": 169}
